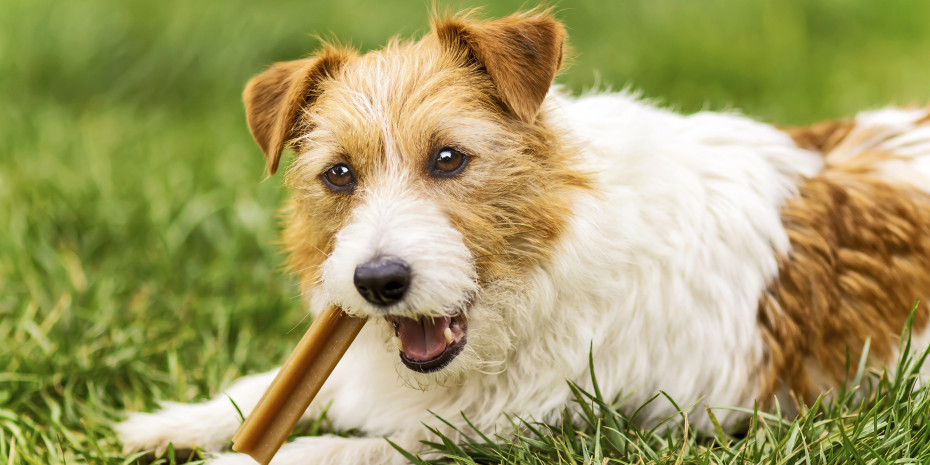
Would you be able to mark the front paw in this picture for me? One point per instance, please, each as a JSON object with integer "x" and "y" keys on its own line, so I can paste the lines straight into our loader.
{"x": 185, "y": 426}
{"x": 231, "y": 459}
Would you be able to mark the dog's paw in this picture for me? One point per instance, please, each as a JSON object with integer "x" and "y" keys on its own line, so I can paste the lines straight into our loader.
{"x": 323, "y": 450}
{"x": 231, "y": 459}
{"x": 185, "y": 426}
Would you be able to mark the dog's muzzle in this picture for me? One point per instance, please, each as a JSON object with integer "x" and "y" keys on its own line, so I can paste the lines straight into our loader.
{"x": 426, "y": 344}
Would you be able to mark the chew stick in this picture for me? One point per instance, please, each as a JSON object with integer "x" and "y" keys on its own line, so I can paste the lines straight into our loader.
{"x": 298, "y": 381}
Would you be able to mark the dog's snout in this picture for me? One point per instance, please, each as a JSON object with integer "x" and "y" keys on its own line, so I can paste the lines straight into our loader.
{"x": 383, "y": 280}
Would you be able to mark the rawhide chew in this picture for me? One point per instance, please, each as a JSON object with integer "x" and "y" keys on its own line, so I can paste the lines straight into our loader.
{"x": 298, "y": 381}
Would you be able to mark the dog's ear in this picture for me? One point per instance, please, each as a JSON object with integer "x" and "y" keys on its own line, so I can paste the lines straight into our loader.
{"x": 274, "y": 98}
{"x": 521, "y": 54}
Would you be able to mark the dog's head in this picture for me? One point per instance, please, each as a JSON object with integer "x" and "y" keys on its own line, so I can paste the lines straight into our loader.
{"x": 428, "y": 183}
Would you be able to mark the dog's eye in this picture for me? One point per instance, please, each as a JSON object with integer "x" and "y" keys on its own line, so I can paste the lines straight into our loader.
{"x": 448, "y": 162}
{"x": 340, "y": 177}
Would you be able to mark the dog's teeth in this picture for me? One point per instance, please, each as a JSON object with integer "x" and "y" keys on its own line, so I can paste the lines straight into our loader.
{"x": 448, "y": 334}
{"x": 396, "y": 341}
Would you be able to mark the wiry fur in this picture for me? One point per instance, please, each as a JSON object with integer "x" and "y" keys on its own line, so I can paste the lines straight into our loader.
{"x": 860, "y": 252}
{"x": 670, "y": 245}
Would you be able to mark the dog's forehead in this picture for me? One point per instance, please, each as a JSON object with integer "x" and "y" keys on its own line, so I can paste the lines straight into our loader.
{"x": 404, "y": 74}
{"x": 401, "y": 92}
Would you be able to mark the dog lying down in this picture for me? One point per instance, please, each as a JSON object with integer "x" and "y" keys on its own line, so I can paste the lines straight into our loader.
{"x": 493, "y": 230}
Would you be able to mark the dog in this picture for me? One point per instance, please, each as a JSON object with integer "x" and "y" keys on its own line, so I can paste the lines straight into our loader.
{"x": 497, "y": 233}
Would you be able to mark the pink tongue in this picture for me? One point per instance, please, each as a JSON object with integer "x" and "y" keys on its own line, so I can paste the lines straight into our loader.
{"x": 423, "y": 339}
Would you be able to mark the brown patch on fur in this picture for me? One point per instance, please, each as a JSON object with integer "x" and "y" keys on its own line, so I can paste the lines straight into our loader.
{"x": 274, "y": 97}
{"x": 511, "y": 215}
{"x": 925, "y": 119}
{"x": 521, "y": 53}
{"x": 841, "y": 143}
{"x": 390, "y": 110}
{"x": 821, "y": 137}
{"x": 860, "y": 257}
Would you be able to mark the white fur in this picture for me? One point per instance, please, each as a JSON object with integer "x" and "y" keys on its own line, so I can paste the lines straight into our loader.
{"x": 920, "y": 343}
{"x": 669, "y": 254}
{"x": 394, "y": 220}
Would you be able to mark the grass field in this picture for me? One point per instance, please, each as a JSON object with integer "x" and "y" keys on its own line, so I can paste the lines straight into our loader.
{"x": 137, "y": 256}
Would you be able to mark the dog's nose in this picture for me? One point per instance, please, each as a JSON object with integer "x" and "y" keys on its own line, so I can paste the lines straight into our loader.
{"x": 383, "y": 280}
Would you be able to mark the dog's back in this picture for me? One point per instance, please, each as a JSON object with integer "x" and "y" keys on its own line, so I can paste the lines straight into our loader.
{"x": 746, "y": 261}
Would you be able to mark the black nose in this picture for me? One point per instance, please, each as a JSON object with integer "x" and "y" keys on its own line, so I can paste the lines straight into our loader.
{"x": 383, "y": 280}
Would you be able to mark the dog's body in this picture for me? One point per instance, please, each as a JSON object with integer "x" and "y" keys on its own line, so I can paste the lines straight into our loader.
{"x": 720, "y": 260}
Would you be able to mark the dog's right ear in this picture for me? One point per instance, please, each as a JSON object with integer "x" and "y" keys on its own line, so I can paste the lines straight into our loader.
{"x": 274, "y": 98}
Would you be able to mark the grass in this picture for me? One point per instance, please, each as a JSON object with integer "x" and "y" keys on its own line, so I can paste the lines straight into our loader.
{"x": 879, "y": 418}
{"x": 137, "y": 256}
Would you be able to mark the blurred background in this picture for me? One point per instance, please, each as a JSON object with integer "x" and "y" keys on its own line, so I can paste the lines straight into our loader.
{"x": 137, "y": 255}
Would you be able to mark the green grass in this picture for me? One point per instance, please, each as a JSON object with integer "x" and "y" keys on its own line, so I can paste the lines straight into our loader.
{"x": 879, "y": 418}
{"x": 137, "y": 256}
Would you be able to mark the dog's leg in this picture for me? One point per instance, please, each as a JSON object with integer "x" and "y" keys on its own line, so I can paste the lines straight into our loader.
{"x": 326, "y": 450}
{"x": 208, "y": 425}
{"x": 362, "y": 393}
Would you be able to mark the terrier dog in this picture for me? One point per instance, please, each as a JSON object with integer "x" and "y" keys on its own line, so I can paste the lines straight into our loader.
{"x": 496, "y": 232}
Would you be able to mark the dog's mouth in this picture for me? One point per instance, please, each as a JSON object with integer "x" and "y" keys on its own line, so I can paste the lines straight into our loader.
{"x": 428, "y": 344}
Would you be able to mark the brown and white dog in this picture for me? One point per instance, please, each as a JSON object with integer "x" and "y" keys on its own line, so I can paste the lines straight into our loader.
{"x": 494, "y": 229}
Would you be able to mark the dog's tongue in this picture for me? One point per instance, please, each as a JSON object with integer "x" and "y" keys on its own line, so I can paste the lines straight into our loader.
{"x": 423, "y": 339}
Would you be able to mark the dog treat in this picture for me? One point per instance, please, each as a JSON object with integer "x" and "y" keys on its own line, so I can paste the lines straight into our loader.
{"x": 298, "y": 381}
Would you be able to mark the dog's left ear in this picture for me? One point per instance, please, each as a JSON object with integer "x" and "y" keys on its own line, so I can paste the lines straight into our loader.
{"x": 521, "y": 54}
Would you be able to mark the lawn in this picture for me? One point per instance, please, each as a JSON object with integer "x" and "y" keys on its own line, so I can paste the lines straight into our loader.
{"x": 137, "y": 232}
